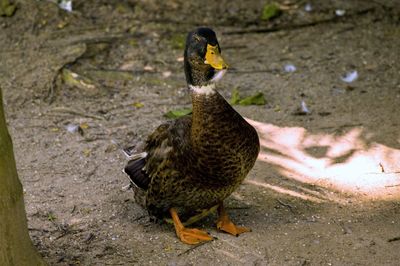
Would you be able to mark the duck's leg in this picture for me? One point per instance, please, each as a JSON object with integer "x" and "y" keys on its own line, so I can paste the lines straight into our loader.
{"x": 225, "y": 224}
{"x": 188, "y": 235}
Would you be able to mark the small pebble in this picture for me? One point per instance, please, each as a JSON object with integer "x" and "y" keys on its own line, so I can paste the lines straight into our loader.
{"x": 340, "y": 12}
{"x": 72, "y": 128}
{"x": 308, "y": 7}
{"x": 66, "y": 5}
{"x": 289, "y": 68}
{"x": 350, "y": 76}
{"x": 304, "y": 107}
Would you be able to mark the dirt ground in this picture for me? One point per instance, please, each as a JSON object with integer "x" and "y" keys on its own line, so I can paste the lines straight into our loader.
{"x": 326, "y": 187}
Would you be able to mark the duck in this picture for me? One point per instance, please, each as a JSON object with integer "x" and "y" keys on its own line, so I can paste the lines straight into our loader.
{"x": 190, "y": 165}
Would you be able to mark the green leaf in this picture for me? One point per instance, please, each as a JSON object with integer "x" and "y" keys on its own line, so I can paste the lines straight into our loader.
{"x": 6, "y": 9}
{"x": 173, "y": 114}
{"x": 270, "y": 10}
{"x": 235, "y": 98}
{"x": 138, "y": 104}
{"x": 256, "y": 99}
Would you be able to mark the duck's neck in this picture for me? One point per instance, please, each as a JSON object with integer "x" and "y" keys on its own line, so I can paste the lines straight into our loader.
{"x": 210, "y": 112}
{"x": 206, "y": 101}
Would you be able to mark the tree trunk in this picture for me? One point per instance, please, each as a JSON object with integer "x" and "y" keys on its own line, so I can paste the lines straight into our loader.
{"x": 15, "y": 245}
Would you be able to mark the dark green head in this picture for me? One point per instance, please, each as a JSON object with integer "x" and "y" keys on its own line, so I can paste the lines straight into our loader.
{"x": 202, "y": 57}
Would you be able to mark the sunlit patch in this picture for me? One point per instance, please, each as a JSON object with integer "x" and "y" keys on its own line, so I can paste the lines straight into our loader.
{"x": 345, "y": 163}
{"x": 285, "y": 191}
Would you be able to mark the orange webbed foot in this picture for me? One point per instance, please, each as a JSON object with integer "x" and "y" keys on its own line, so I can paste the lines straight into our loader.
{"x": 191, "y": 236}
{"x": 225, "y": 224}
{"x": 229, "y": 227}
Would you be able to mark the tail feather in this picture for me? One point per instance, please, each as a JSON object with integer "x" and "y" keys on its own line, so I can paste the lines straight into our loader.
{"x": 134, "y": 169}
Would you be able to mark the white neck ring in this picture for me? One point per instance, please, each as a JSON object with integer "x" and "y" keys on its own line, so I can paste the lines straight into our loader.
{"x": 203, "y": 90}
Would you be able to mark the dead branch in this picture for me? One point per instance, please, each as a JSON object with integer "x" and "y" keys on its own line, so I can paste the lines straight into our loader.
{"x": 333, "y": 19}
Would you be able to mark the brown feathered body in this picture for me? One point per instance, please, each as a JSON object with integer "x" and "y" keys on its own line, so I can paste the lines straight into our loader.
{"x": 195, "y": 162}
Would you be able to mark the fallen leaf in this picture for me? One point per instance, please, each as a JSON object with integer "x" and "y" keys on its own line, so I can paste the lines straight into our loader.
{"x": 7, "y": 9}
{"x": 84, "y": 125}
{"x": 62, "y": 24}
{"x": 270, "y": 10}
{"x": 74, "y": 80}
{"x": 235, "y": 98}
{"x": 173, "y": 114}
{"x": 256, "y": 99}
{"x": 138, "y": 104}
{"x": 148, "y": 68}
{"x": 111, "y": 148}
{"x": 86, "y": 152}
{"x": 166, "y": 74}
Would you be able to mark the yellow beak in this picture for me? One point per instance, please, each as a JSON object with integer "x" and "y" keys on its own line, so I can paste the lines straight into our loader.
{"x": 214, "y": 58}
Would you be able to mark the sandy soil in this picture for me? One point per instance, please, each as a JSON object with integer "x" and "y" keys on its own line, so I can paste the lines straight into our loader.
{"x": 326, "y": 188}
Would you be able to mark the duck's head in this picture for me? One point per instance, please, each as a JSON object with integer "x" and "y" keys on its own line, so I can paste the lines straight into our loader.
{"x": 202, "y": 58}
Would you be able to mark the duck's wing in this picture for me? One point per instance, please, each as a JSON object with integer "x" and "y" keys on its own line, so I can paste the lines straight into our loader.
{"x": 167, "y": 143}
{"x": 134, "y": 169}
